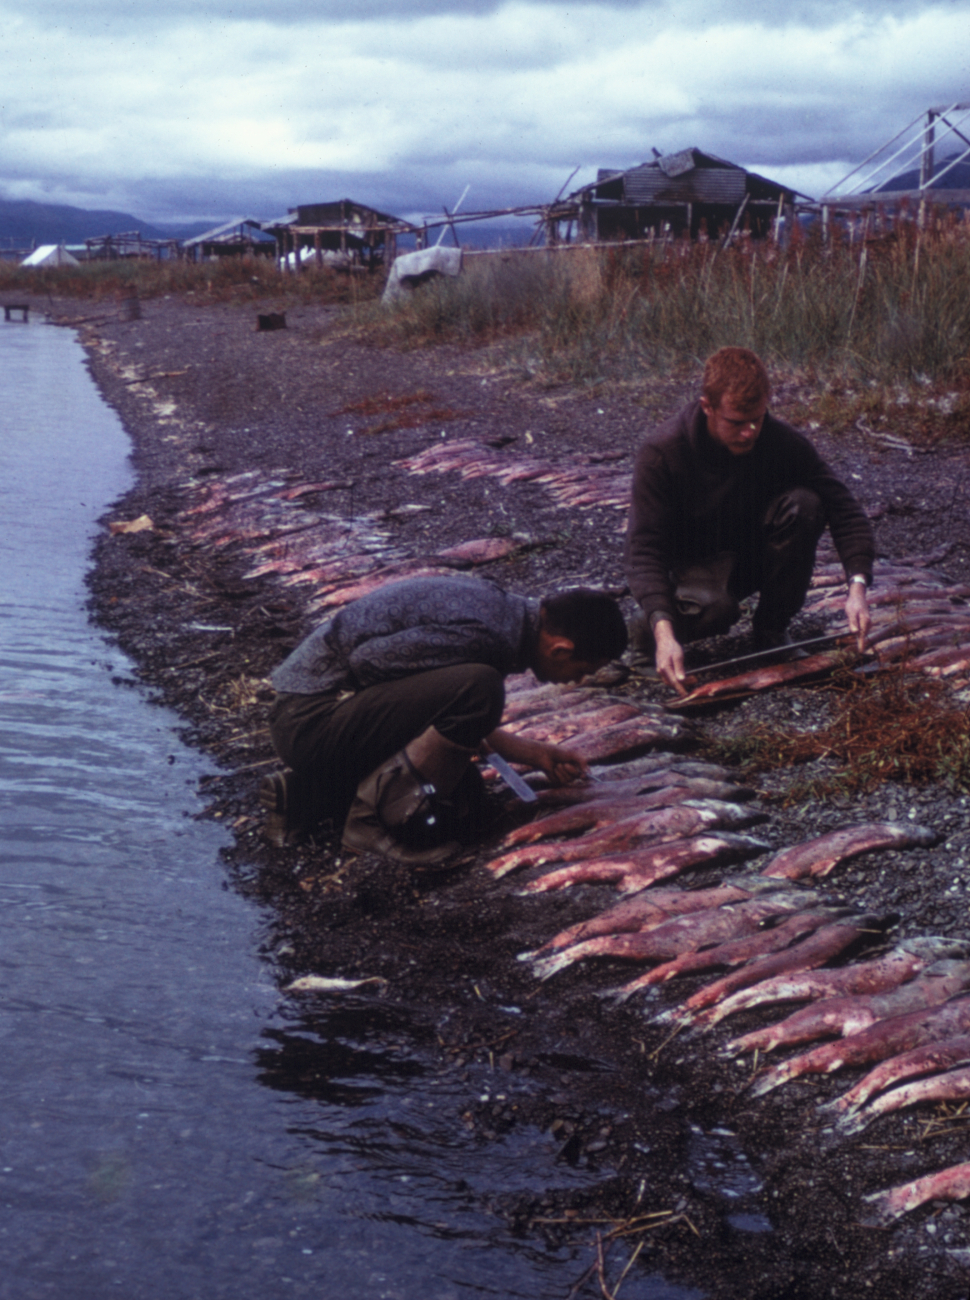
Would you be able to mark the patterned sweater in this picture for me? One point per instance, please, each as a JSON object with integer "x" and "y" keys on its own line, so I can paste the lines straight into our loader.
{"x": 412, "y": 627}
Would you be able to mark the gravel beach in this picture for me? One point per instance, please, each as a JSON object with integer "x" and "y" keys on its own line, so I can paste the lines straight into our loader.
{"x": 328, "y": 417}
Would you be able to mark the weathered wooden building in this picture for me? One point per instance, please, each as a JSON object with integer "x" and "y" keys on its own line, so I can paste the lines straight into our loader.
{"x": 689, "y": 192}
{"x": 340, "y": 233}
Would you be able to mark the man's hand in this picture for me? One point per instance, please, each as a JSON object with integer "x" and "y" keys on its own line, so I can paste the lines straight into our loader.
{"x": 561, "y": 765}
{"x": 857, "y": 612}
{"x": 670, "y": 656}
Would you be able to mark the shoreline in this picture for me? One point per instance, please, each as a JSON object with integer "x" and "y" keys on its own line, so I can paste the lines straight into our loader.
{"x": 204, "y": 398}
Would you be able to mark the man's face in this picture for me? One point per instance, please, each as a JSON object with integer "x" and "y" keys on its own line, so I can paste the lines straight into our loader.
{"x": 736, "y": 429}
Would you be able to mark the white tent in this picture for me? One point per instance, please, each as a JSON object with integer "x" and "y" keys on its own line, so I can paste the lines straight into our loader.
{"x": 50, "y": 255}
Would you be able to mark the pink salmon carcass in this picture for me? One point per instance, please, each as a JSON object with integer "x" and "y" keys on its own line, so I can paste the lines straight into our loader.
{"x": 824, "y": 945}
{"x": 679, "y": 935}
{"x": 818, "y": 856}
{"x": 929, "y": 1058}
{"x": 833, "y": 1017}
{"x": 677, "y": 822}
{"x": 734, "y": 952}
{"x": 954, "y": 1085}
{"x": 884, "y": 1039}
{"x": 951, "y": 1184}
{"x": 877, "y": 975}
{"x": 635, "y": 871}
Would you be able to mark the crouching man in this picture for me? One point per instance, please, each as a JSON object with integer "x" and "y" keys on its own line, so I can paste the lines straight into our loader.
{"x": 727, "y": 501}
{"x": 381, "y": 709}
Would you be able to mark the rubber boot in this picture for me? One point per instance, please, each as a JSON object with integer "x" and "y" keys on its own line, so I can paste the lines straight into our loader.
{"x": 394, "y": 814}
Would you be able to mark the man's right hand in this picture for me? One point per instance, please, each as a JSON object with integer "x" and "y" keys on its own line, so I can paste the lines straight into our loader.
{"x": 670, "y": 656}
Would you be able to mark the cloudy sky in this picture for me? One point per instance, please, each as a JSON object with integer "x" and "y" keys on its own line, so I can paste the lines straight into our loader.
{"x": 190, "y": 109}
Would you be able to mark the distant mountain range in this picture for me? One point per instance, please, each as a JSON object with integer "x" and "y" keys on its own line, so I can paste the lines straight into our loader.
{"x": 24, "y": 223}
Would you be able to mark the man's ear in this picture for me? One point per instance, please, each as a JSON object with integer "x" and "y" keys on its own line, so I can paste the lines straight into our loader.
{"x": 559, "y": 647}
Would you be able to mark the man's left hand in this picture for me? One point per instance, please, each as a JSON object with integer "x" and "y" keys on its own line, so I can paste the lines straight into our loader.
{"x": 857, "y": 612}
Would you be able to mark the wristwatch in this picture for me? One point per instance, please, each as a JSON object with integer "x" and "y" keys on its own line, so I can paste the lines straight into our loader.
{"x": 859, "y": 577}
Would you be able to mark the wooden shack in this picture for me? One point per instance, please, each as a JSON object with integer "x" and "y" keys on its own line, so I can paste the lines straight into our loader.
{"x": 342, "y": 233}
{"x": 243, "y": 236}
{"x": 684, "y": 193}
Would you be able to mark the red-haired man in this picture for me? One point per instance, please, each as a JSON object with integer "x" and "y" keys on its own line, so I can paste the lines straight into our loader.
{"x": 727, "y": 501}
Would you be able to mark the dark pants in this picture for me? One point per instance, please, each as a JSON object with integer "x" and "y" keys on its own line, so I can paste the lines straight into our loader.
{"x": 332, "y": 744}
{"x": 777, "y": 562}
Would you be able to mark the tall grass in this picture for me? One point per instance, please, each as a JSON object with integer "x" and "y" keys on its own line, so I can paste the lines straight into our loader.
{"x": 892, "y": 309}
{"x": 241, "y": 279}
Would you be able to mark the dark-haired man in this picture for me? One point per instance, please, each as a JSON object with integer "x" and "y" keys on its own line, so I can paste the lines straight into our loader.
{"x": 727, "y": 500}
{"x": 381, "y": 709}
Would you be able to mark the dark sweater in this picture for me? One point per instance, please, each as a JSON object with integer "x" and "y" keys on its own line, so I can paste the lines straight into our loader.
{"x": 412, "y": 627}
{"x": 693, "y": 499}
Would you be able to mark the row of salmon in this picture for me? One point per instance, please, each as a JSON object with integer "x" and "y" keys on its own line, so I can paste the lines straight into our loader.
{"x": 276, "y": 527}
{"x": 903, "y": 1010}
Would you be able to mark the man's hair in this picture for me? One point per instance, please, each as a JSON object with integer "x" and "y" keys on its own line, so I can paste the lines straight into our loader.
{"x": 739, "y": 372}
{"x": 590, "y": 619}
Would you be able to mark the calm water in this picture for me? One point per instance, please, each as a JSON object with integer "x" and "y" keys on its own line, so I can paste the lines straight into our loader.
{"x": 170, "y": 1126}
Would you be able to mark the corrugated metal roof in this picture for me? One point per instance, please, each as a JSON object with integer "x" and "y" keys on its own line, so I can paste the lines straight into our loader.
{"x": 648, "y": 184}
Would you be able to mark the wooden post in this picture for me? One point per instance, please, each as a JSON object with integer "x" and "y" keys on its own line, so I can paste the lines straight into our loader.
{"x": 317, "y": 252}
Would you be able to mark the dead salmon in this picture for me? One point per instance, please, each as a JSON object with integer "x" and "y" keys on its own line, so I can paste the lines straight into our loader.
{"x": 834, "y": 1017}
{"x": 760, "y": 679}
{"x": 483, "y": 550}
{"x": 556, "y": 728}
{"x": 953, "y": 1085}
{"x": 649, "y": 907}
{"x": 823, "y": 946}
{"x": 604, "y": 811}
{"x": 677, "y": 822}
{"x": 929, "y": 1058}
{"x": 818, "y": 856}
{"x": 878, "y": 975}
{"x": 643, "y": 867}
{"x": 952, "y": 1184}
{"x": 734, "y": 952}
{"x": 697, "y": 787}
{"x": 647, "y": 764}
{"x": 632, "y": 737}
{"x": 887, "y": 1038}
{"x": 679, "y": 935}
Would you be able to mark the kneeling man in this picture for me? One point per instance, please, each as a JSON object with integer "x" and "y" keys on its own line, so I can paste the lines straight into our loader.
{"x": 381, "y": 709}
{"x": 727, "y": 500}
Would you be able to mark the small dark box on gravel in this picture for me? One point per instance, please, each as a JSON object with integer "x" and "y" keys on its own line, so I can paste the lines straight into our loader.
{"x": 273, "y": 320}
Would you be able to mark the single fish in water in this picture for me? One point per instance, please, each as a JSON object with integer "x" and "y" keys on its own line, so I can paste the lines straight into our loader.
{"x": 832, "y": 1017}
{"x": 330, "y": 984}
{"x": 884, "y": 1039}
{"x": 643, "y": 867}
{"x": 878, "y": 975}
{"x": 677, "y": 822}
{"x": 679, "y": 935}
{"x": 951, "y": 1184}
{"x": 818, "y": 856}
